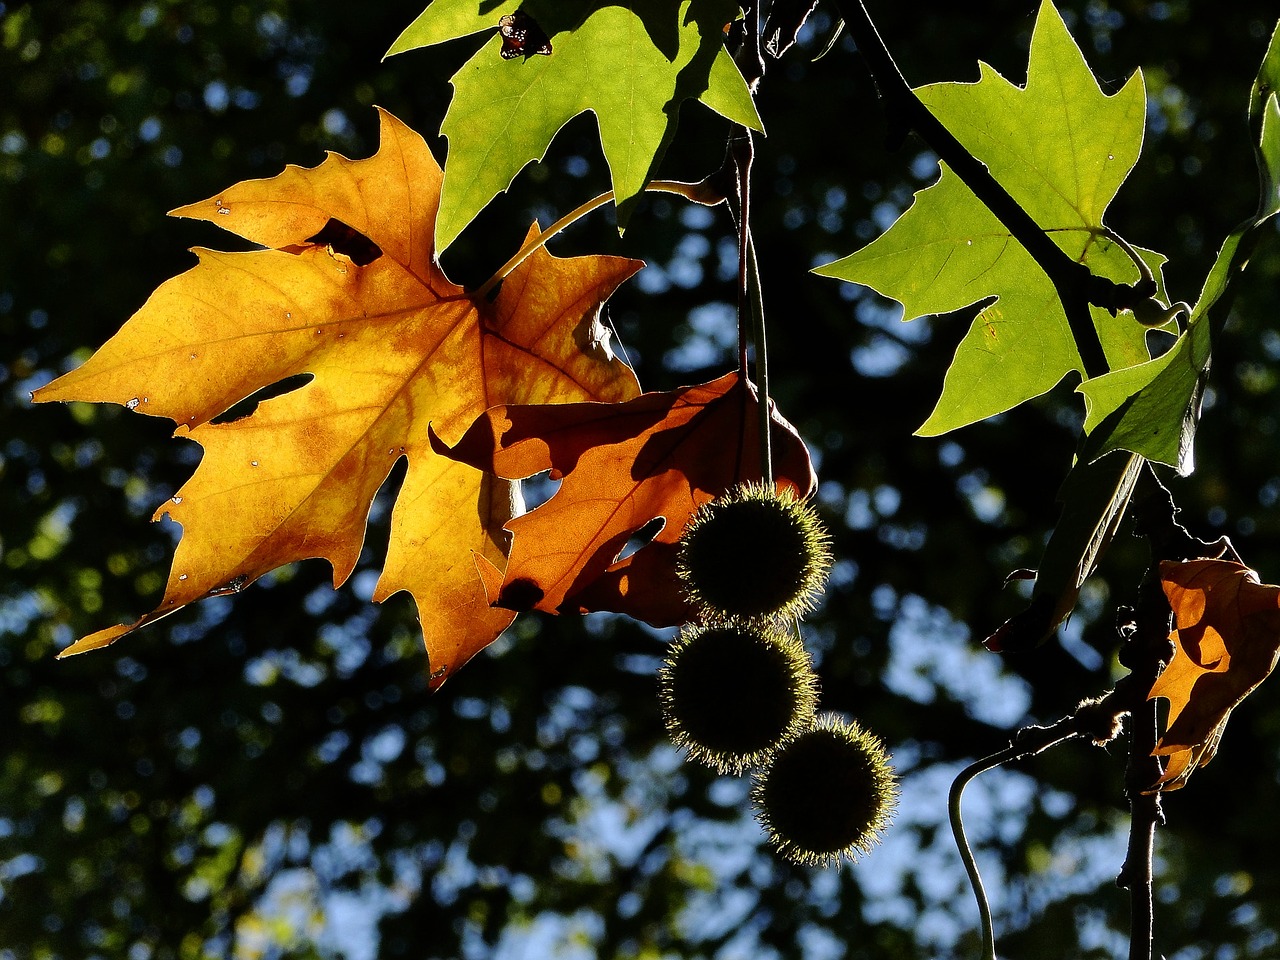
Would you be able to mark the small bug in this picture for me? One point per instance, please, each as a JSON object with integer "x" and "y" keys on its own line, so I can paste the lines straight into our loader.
{"x": 522, "y": 37}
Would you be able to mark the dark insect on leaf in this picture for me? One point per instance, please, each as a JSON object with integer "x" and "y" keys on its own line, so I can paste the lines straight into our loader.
{"x": 348, "y": 241}
{"x": 522, "y": 37}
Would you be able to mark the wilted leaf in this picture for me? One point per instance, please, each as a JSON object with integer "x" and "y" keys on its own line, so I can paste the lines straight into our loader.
{"x": 632, "y": 65}
{"x": 389, "y": 346}
{"x": 661, "y": 455}
{"x": 1227, "y": 640}
{"x": 1094, "y": 498}
{"x": 1062, "y": 148}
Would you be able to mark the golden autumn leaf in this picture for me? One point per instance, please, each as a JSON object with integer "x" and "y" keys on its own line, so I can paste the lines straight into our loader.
{"x": 349, "y": 294}
{"x": 1226, "y": 641}
{"x": 659, "y": 456}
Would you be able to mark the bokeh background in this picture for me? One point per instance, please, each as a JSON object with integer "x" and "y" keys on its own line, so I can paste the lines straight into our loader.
{"x": 269, "y": 778}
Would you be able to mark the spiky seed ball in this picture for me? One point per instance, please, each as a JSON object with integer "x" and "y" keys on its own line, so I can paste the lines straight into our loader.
{"x": 754, "y": 552}
{"x": 731, "y": 693}
{"x": 827, "y": 794}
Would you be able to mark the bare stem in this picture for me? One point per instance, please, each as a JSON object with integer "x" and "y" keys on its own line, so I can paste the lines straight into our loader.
{"x": 690, "y": 191}
{"x": 762, "y": 366}
{"x": 1026, "y": 743}
{"x": 743, "y": 151}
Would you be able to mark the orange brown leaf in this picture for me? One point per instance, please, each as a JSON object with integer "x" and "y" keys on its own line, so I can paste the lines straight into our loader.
{"x": 659, "y": 456}
{"x": 1226, "y": 642}
{"x": 348, "y": 293}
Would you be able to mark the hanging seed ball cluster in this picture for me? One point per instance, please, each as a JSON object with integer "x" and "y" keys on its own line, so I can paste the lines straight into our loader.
{"x": 731, "y": 694}
{"x": 828, "y": 793}
{"x": 754, "y": 553}
{"x": 738, "y": 689}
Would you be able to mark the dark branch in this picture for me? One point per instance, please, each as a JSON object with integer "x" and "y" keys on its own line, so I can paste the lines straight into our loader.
{"x": 1144, "y": 652}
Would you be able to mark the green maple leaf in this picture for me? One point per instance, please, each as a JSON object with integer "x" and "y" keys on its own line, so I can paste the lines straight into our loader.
{"x": 631, "y": 64}
{"x": 1061, "y": 147}
{"x": 1153, "y": 409}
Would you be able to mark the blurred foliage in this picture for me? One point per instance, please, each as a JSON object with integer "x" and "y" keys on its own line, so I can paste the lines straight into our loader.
{"x": 269, "y": 778}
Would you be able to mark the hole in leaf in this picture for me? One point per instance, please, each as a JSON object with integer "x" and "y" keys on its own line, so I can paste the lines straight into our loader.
{"x": 348, "y": 241}
{"x": 642, "y": 537}
{"x": 538, "y": 489}
{"x": 521, "y": 595}
{"x": 243, "y": 408}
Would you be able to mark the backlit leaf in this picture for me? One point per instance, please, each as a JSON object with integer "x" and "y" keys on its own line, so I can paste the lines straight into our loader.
{"x": 389, "y": 347}
{"x": 659, "y": 456}
{"x": 632, "y": 65}
{"x": 1062, "y": 148}
{"x": 1153, "y": 409}
{"x": 1227, "y": 641}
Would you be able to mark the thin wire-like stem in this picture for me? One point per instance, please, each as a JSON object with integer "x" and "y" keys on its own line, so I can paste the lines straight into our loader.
{"x": 966, "y": 852}
{"x": 1028, "y": 742}
{"x": 743, "y": 151}
{"x": 690, "y": 191}
{"x": 751, "y": 303}
{"x": 762, "y": 364}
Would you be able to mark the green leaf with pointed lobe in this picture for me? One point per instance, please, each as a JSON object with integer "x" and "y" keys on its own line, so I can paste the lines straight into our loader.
{"x": 631, "y": 64}
{"x": 1153, "y": 410}
{"x": 1062, "y": 148}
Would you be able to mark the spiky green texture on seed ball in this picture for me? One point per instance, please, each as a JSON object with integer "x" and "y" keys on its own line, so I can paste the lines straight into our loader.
{"x": 754, "y": 552}
{"x": 731, "y": 693}
{"x": 827, "y": 794}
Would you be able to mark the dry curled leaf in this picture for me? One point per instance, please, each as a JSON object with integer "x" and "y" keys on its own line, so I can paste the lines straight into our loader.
{"x": 624, "y": 465}
{"x": 348, "y": 305}
{"x": 1226, "y": 641}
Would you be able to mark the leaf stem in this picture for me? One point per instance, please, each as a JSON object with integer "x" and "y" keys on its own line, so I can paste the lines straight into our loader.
{"x": 1026, "y": 743}
{"x": 1073, "y": 282}
{"x": 743, "y": 150}
{"x": 691, "y": 191}
{"x": 762, "y": 366}
{"x": 751, "y": 302}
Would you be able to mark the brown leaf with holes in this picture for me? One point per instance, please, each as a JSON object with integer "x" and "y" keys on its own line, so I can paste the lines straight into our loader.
{"x": 659, "y": 456}
{"x": 349, "y": 307}
{"x": 1226, "y": 641}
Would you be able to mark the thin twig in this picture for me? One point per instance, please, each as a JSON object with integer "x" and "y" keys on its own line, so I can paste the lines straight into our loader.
{"x": 1073, "y": 282}
{"x": 1026, "y": 743}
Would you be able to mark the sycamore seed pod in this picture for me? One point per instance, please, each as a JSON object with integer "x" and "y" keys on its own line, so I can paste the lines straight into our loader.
{"x": 731, "y": 693}
{"x": 753, "y": 553}
{"x": 827, "y": 794}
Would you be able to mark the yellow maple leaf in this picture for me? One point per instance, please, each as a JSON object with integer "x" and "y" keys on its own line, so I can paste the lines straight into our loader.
{"x": 350, "y": 293}
{"x": 1226, "y": 642}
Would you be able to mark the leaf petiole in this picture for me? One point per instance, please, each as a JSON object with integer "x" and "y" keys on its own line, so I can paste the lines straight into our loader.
{"x": 697, "y": 192}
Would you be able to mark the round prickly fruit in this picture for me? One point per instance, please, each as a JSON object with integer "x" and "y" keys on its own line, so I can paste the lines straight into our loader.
{"x": 731, "y": 693}
{"x": 754, "y": 552}
{"x": 827, "y": 794}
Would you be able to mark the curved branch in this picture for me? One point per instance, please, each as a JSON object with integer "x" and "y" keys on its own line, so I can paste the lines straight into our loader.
{"x": 1027, "y": 742}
